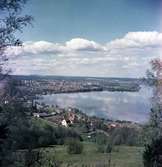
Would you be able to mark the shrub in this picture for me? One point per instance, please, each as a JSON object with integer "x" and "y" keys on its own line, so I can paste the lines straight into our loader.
{"x": 105, "y": 149}
{"x": 153, "y": 153}
{"x": 125, "y": 136}
{"x": 101, "y": 148}
{"x": 75, "y": 147}
{"x": 109, "y": 148}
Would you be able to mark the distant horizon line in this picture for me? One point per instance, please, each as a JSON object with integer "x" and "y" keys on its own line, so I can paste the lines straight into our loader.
{"x": 74, "y": 76}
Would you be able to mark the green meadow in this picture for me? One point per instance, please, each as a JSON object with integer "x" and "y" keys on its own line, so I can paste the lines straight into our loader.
{"x": 121, "y": 156}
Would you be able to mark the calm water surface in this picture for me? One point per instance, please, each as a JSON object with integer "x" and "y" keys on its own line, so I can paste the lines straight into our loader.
{"x": 132, "y": 106}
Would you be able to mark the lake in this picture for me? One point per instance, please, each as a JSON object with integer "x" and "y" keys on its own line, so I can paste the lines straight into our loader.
{"x": 130, "y": 106}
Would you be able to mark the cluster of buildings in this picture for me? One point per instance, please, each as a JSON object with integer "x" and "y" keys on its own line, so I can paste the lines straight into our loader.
{"x": 60, "y": 86}
{"x": 55, "y": 114}
{"x": 47, "y": 86}
{"x": 72, "y": 116}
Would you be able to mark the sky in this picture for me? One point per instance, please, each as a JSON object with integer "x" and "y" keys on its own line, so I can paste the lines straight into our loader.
{"x": 105, "y": 38}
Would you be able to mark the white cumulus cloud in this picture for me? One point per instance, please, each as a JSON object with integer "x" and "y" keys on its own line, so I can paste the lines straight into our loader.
{"x": 83, "y": 44}
{"x": 128, "y": 56}
{"x": 137, "y": 40}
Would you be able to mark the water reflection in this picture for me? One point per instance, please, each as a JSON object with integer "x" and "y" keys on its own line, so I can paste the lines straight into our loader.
{"x": 132, "y": 106}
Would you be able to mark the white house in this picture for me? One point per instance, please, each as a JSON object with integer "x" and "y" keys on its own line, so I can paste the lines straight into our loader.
{"x": 64, "y": 123}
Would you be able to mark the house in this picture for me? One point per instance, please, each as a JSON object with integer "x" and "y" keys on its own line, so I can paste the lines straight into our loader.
{"x": 64, "y": 123}
{"x": 36, "y": 115}
{"x": 42, "y": 115}
{"x": 114, "y": 125}
{"x": 71, "y": 117}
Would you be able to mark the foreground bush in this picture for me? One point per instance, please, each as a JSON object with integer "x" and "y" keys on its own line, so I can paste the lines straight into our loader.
{"x": 109, "y": 148}
{"x": 101, "y": 148}
{"x": 152, "y": 155}
{"x": 39, "y": 133}
{"x": 105, "y": 149}
{"x": 125, "y": 136}
{"x": 75, "y": 147}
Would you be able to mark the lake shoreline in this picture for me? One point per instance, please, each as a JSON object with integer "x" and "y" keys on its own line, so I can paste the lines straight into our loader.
{"x": 131, "y": 106}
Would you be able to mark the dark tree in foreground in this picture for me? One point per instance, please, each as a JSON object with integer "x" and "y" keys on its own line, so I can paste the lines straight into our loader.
{"x": 156, "y": 112}
{"x": 153, "y": 154}
{"x": 11, "y": 21}
{"x": 153, "y": 149}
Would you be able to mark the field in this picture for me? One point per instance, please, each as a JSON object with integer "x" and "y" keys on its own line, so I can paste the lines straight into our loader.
{"x": 122, "y": 156}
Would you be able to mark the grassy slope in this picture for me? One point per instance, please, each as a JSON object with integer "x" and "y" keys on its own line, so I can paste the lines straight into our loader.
{"x": 122, "y": 156}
